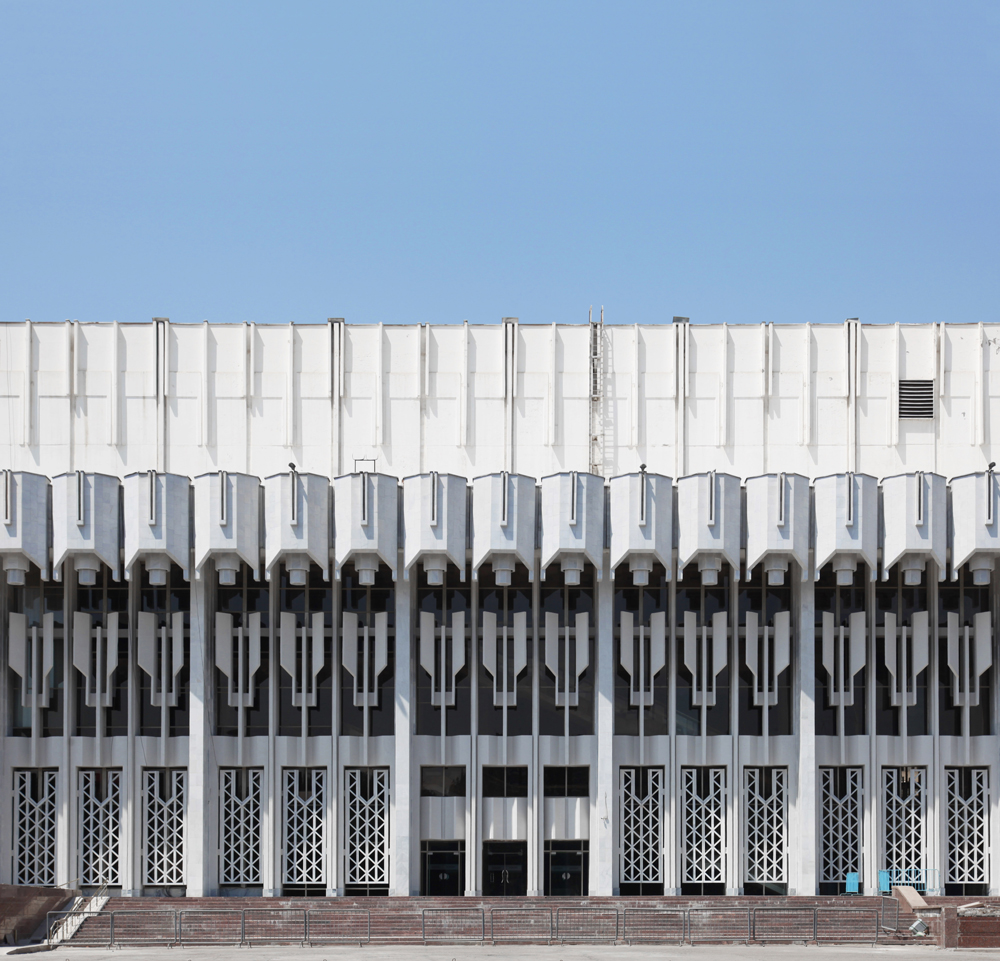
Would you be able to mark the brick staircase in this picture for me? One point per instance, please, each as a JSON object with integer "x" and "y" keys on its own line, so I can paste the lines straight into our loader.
{"x": 161, "y": 920}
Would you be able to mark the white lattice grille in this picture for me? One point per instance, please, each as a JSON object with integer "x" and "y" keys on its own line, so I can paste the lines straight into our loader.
{"x": 840, "y": 817}
{"x": 968, "y": 834}
{"x": 642, "y": 825}
{"x": 165, "y": 800}
{"x": 305, "y": 806}
{"x": 766, "y": 824}
{"x": 367, "y": 826}
{"x": 704, "y": 824}
{"x": 100, "y": 826}
{"x": 239, "y": 791}
{"x": 904, "y": 818}
{"x": 35, "y": 830}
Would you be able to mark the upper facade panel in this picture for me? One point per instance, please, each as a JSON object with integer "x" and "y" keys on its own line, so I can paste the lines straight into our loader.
{"x": 471, "y": 400}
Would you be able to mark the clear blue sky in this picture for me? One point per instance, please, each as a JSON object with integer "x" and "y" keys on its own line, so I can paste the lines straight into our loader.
{"x": 433, "y": 162}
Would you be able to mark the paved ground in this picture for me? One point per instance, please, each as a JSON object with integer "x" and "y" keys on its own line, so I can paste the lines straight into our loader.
{"x": 447, "y": 952}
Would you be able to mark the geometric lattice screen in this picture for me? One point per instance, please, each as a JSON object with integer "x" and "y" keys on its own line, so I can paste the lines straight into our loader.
{"x": 100, "y": 826}
{"x": 840, "y": 822}
{"x": 903, "y": 812}
{"x": 641, "y": 842}
{"x": 367, "y": 825}
{"x": 968, "y": 825}
{"x": 164, "y": 795}
{"x": 704, "y": 828}
{"x": 239, "y": 801}
{"x": 766, "y": 844}
{"x": 305, "y": 817}
{"x": 35, "y": 827}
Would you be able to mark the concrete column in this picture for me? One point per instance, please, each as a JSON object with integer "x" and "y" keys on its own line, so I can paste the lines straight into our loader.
{"x": 603, "y": 829}
{"x": 803, "y": 843}
{"x": 402, "y": 829}
{"x": 199, "y": 741}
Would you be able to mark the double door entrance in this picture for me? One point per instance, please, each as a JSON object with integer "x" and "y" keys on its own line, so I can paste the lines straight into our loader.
{"x": 505, "y": 869}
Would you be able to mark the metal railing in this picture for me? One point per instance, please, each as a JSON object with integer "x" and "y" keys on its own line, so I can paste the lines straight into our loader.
{"x": 138, "y": 927}
{"x": 586, "y": 924}
{"x": 93, "y": 928}
{"x": 889, "y": 914}
{"x": 66, "y": 923}
{"x": 338, "y": 925}
{"x": 610, "y": 924}
{"x": 274, "y": 925}
{"x": 926, "y": 880}
{"x": 521, "y": 924}
{"x": 783, "y": 924}
{"x": 453, "y": 924}
{"x": 843, "y": 925}
{"x": 654, "y": 925}
{"x": 718, "y": 924}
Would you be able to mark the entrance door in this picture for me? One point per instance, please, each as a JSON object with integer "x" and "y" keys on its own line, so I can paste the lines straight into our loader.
{"x": 505, "y": 869}
{"x": 565, "y": 868}
{"x": 443, "y": 868}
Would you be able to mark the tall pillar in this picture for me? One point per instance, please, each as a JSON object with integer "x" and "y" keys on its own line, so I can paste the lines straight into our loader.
{"x": 804, "y": 840}
{"x": 199, "y": 741}
{"x": 603, "y": 828}
{"x": 403, "y": 822}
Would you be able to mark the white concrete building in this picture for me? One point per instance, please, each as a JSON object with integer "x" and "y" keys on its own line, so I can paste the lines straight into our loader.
{"x": 504, "y": 609}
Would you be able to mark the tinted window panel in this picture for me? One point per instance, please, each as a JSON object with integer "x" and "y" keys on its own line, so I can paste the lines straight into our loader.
{"x": 577, "y": 781}
{"x": 454, "y": 782}
{"x": 493, "y": 782}
{"x": 517, "y": 782}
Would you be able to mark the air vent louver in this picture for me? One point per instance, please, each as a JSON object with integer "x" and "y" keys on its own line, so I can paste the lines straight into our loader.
{"x": 916, "y": 399}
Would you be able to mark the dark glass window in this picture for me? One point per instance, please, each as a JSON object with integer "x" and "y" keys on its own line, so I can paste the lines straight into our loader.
{"x": 164, "y": 602}
{"x": 895, "y": 597}
{"x": 367, "y": 602}
{"x": 244, "y": 598}
{"x": 442, "y": 781}
{"x": 566, "y": 603}
{"x": 105, "y": 597}
{"x": 444, "y": 602}
{"x": 506, "y": 603}
{"x": 704, "y": 602}
{"x": 766, "y": 601}
{"x": 305, "y": 602}
{"x": 36, "y": 599}
{"x": 642, "y": 603}
{"x": 965, "y": 599}
{"x": 567, "y": 781}
{"x": 841, "y": 602}
{"x": 505, "y": 782}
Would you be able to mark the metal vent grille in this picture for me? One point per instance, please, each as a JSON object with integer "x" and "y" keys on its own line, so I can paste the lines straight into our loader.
{"x": 916, "y": 399}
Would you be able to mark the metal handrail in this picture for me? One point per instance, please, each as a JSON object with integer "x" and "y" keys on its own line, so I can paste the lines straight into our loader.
{"x": 895, "y": 914}
{"x": 595, "y": 910}
{"x": 503, "y": 910}
{"x": 879, "y": 916}
{"x": 774, "y": 910}
{"x": 461, "y": 912}
{"x": 352, "y": 911}
{"x": 77, "y": 911}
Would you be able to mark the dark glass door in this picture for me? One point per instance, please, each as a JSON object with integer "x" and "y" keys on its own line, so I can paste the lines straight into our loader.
{"x": 566, "y": 865}
{"x": 442, "y": 867}
{"x": 443, "y": 874}
{"x": 505, "y": 869}
{"x": 566, "y": 874}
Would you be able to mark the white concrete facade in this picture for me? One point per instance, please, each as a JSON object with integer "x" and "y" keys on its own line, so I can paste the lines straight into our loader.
{"x": 648, "y": 609}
